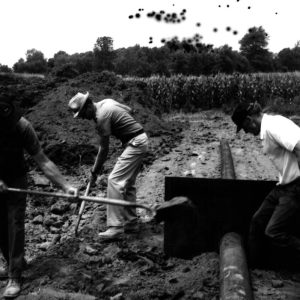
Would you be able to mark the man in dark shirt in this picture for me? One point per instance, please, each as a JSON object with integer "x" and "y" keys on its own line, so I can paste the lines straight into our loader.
{"x": 114, "y": 118}
{"x": 17, "y": 135}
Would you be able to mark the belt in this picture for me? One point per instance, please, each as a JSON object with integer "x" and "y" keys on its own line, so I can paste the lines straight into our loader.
{"x": 126, "y": 138}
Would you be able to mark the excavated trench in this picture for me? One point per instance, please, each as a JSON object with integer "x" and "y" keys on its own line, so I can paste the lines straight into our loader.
{"x": 139, "y": 266}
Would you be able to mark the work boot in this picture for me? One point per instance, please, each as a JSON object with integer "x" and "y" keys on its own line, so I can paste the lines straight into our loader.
{"x": 3, "y": 273}
{"x": 12, "y": 289}
{"x": 113, "y": 232}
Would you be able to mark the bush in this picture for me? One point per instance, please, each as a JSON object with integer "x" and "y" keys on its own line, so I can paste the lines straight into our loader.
{"x": 5, "y": 69}
{"x": 65, "y": 71}
{"x": 110, "y": 78}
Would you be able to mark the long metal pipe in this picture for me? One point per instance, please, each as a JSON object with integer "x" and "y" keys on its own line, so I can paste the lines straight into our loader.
{"x": 227, "y": 166}
{"x": 234, "y": 274}
{"x": 102, "y": 200}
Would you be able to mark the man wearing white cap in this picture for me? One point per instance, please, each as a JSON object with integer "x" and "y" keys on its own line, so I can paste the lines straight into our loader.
{"x": 114, "y": 118}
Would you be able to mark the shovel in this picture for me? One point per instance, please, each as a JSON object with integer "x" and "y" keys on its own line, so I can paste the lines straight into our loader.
{"x": 82, "y": 208}
{"x": 101, "y": 200}
{"x": 160, "y": 212}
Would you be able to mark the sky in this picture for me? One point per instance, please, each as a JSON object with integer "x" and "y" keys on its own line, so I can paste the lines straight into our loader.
{"x": 73, "y": 26}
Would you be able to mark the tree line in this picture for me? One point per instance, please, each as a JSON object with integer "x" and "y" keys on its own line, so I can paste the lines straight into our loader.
{"x": 187, "y": 57}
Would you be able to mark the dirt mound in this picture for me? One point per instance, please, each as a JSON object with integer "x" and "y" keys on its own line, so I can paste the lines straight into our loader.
{"x": 75, "y": 142}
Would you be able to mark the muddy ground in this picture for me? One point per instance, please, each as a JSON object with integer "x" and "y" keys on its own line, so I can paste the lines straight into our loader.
{"x": 63, "y": 266}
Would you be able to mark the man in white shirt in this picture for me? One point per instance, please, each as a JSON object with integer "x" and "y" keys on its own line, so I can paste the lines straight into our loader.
{"x": 277, "y": 214}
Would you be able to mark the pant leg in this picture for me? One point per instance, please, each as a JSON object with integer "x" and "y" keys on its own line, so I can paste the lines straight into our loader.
{"x": 130, "y": 195}
{"x": 121, "y": 183}
{"x": 130, "y": 192}
{"x": 257, "y": 242}
{"x": 279, "y": 228}
{"x": 4, "y": 226}
{"x": 16, "y": 205}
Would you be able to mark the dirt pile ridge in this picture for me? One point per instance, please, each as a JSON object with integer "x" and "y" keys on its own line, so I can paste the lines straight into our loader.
{"x": 75, "y": 142}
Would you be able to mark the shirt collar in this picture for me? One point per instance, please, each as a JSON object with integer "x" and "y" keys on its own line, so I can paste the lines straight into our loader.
{"x": 263, "y": 126}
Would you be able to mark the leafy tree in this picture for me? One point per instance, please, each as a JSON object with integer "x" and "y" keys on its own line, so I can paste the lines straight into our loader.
{"x": 209, "y": 61}
{"x": 195, "y": 64}
{"x": 61, "y": 58}
{"x": 19, "y": 66}
{"x": 78, "y": 63}
{"x": 138, "y": 61}
{"x": 5, "y": 69}
{"x": 256, "y": 38}
{"x": 204, "y": 48}
{"x": 173, "y": 45}
{"x": 50, "y": 63}
{"x": 83, "y": 62}
{"x": 185, "y": 45}
{"x": 35, "y": 63}
{"x": 289, "y": 59}
{"x": 160, "y": 60}
{"x": 126, "y": 60}
{"x": 230, "y": 61}
{"x": 188, "y": 46}
{"x": 179, "y": 64}
{"x": 174, "y": 57}
{"x": 225, "y": 60}
{"x": 144, "y": 69}
{"x": 253, "y": 47}
{"x": 104, "y": 53}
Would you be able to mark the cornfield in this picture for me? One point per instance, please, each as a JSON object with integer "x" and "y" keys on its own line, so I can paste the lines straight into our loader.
{"x": 190, "y": 93}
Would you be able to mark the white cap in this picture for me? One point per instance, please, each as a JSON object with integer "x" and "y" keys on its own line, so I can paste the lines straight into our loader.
{"x": 77, "y": 102}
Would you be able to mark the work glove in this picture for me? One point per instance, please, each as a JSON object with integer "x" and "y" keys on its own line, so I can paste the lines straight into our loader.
{"x": 70, "y": 190}
{"x": 3, "y": 186}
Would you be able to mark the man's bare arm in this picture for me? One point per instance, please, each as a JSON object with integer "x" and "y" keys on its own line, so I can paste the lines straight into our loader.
{"x": 52, "y": 172}
{"x": 102, "y": 154}
{"x": 3, "y": 186}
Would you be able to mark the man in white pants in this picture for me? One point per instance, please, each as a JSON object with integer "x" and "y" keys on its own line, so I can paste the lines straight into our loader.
{"x": 113, "y": 118}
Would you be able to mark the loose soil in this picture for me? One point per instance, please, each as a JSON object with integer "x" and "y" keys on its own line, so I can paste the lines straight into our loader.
{"x": 63, "y": 266}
